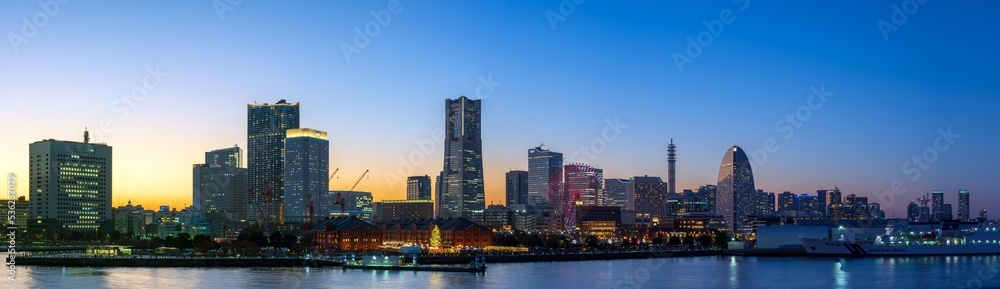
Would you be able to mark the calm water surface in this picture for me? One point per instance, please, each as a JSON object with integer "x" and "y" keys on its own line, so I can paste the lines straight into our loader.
{"x": 690, "y": 272}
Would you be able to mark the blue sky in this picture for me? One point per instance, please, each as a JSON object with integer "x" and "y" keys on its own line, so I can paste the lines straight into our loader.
{"x": 607, "y": 60}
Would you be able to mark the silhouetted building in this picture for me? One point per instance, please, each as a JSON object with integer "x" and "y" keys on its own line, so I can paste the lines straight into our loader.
{"x": 671, "y": 168}
{"x": 807, "y": 203}
{"x": 946, "y": 213}
{"x": 516, "y": 188}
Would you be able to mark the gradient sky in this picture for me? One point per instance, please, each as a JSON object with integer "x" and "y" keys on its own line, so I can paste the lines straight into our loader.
{"x": 608, "y": 60}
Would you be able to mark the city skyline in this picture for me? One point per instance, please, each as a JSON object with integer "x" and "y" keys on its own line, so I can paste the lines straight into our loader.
{"x": 156, "y": 139}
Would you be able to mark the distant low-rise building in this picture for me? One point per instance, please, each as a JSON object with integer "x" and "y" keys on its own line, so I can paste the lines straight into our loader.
{"x": 402, "y": 209}
{"x": 496, "y": 217}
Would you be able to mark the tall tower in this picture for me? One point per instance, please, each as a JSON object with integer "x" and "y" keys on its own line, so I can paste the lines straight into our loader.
{"x": 266, "y": 128}
{"x": 464, "y": 194}
{"x": 937, "y": 206}
{"x": 71, "y": 183}
{"x": 672, "y": 168}
{"x": 736, "y": 191}
{"x": 963, "y": 205}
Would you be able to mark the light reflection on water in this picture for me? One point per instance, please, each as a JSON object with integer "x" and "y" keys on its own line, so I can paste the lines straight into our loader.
{"x": 693, "y": 272}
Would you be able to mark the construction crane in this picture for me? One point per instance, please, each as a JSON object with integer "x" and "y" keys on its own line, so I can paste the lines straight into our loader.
{"x": 311, "y": 204}
{"x": 268, "y": 192}
{"x": 358, "y": 181}
{"x": 340, "y": 197}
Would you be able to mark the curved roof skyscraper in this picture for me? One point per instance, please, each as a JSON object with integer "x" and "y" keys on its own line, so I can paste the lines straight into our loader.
{"x": 734, "y": 195}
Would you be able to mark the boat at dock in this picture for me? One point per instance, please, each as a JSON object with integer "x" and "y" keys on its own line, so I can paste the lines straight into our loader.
{"x": 397, "y": 263}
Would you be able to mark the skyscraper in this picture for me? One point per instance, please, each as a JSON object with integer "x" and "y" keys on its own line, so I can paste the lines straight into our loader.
{"x": 735, "y": 193}
{"x": 963, "y": 205}
{"x": 617, "y": 192}
{"x": 418, "y": 188}
{"x": 70, "y": 182}
{"x": 544, "y": 176}
{"x": 937, "y": 206}
{"x": 266, "y": 128}
{"x": 464, "y": 195}
{"x": 306, "y": 173}
{"x": 648, "y": 195}
{"x": 672, "y": 167}
{"x": 517, "y": 188}
{"x": 220, "y": 184}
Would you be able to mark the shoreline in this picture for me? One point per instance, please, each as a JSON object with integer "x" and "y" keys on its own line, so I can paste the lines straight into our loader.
{"x": 331, "y": 261}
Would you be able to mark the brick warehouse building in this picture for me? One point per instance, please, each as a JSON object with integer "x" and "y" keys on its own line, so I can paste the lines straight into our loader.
{"x": 348, "y": 234}
{"x": 454, "y": 232}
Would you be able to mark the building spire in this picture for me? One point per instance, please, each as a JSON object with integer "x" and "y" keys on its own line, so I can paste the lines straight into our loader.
{"x": 86, "y": 135}
{"x": 672, "y": 167}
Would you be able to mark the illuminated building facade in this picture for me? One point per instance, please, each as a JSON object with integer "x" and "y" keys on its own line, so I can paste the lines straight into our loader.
{"x": 70, "y": 182}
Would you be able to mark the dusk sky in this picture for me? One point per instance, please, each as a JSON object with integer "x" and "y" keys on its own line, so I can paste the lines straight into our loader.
{"x": 558, "y": 78}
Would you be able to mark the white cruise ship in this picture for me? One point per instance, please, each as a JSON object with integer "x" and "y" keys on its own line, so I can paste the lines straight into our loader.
{"x": 948, "y": 240}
